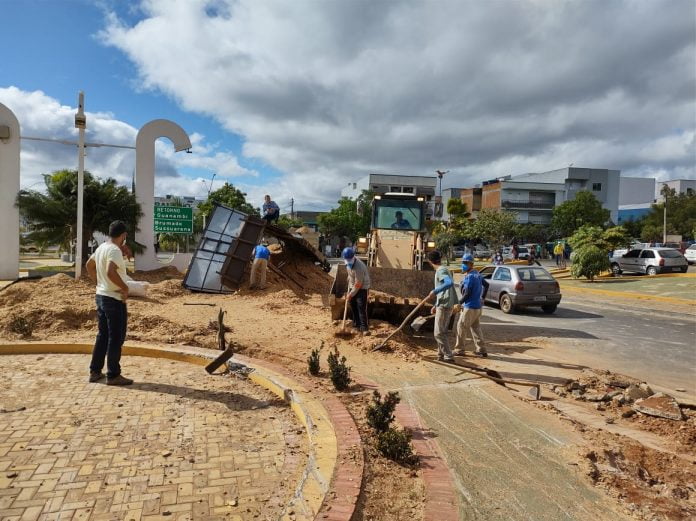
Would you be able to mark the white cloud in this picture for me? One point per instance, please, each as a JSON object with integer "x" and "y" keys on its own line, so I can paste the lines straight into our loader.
{"x": 328, "y": 91}
{"x": 43, "y": 116}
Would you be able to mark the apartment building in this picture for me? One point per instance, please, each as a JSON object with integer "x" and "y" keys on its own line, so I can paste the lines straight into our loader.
{"x": 424, "y": 186}
{"x": 533, "y": 196}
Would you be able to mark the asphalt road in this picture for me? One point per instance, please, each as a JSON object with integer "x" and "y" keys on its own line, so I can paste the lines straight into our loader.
{"x": 657, "y": 346}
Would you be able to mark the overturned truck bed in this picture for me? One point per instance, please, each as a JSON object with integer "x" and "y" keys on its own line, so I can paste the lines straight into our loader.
{"x": 393, "y": 293}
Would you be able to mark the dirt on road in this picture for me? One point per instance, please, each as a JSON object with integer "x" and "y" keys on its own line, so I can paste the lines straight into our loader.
{"x": 288, "y": 319}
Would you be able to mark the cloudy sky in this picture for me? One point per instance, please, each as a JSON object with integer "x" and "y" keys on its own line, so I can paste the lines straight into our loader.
{"x": 298, "y": 98}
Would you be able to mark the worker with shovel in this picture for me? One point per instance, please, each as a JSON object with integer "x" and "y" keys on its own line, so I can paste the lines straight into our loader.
{"x": 445, "y": 299}
{"x": 358, "y": 287}
{"x": 472, "y": 287}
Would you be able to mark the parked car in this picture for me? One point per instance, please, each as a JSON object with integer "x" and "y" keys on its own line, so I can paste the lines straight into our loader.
{"x": 481, "y": 252}
{"x": 650, "y": 261}
{"x": 459, "y": 251}
{"x": 690, "y": 254}
{"x": 513, "y": 287}
{"x": 522, "y": 253}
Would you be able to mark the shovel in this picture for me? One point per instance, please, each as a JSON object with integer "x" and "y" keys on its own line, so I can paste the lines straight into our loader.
{"x": 342, "y": 330}
{"x": 534, "y": 391}
{"x": 409, "y": 317}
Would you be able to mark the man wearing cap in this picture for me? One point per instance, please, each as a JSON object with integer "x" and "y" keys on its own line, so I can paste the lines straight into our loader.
{"x": 257, "y": 279}
{"x": 107, "y": 268}
{"x": 358, "y": 288}
{"x": 445, "y": 299}
{"x": 473, "y": 288}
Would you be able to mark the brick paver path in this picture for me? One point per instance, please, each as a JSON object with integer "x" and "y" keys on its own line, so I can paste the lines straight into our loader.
{"x": 178, "y": 444}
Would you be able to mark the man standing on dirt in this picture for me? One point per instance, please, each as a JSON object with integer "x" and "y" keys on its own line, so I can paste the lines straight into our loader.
{"x": 258, "y": 269}
{"x": 472, "y": 288}
{"x": 107, "y": 268}
{"x": 445, "y": 299}
{"x": 358, "y": 288}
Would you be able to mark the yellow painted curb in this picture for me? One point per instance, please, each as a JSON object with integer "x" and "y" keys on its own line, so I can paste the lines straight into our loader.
{"x": 628, "y": 294}
{"x": 323, "y": 446}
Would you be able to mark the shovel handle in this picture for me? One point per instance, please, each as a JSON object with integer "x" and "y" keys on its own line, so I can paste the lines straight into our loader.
{"x": 410, "y": 315}
{"x": 345, "y": 313}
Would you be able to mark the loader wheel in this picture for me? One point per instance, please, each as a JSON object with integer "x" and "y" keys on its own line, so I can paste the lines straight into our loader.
{"x": 506, "y": 305}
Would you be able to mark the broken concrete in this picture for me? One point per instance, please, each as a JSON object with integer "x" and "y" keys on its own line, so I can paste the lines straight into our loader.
{"x": 660, "y": 405}
{"x": 634, "y": 392}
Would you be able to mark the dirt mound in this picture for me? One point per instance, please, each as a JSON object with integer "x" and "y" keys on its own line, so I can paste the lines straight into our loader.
{"x": 653, "y": 484}
{"x": 158, "y": 275}
{"x": 167, "y": 289}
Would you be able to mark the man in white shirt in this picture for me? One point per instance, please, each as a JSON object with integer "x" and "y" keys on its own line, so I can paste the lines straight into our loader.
{"x": 107, "y": 268}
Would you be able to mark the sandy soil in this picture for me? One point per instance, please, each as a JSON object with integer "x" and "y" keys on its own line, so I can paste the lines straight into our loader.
{"x": 284, "y": 322}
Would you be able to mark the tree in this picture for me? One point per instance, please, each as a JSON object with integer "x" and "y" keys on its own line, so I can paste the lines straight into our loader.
{"x": 495, "y": 227}
{"x": 681, "y": 216}
{"x": 52, "y": 216}
{"x": 459, "y": 218}
{"x": 287, "y": 222}
{"x": 229, "y": 196}
{"x": 592, "y": 246}
{"x": 350, "y": 219}
{"x": 570, "y": 215}
{"x": 534, "y": 233}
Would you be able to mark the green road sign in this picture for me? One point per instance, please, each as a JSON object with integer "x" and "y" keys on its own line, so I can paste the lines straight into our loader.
{"x": 173, "y": 219}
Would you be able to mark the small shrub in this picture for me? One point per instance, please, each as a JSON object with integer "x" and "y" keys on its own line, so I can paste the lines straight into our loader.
{"x": 380, "y": 413}
{"x": 20, "y": 325}
{"x": 313, "y": 362}
{"x": 396, "y": 445}
{"x": 340, "y": 372}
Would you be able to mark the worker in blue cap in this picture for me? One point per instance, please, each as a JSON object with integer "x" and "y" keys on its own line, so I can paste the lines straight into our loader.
{"x": 358, "y": 288}
{"x": 473, "y": 288}
{"x": 261, "y": 254}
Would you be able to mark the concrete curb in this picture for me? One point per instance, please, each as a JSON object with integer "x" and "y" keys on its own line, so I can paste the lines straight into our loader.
{"x": 324, "y": 472}
{"x": 627, "y": 294}
{"x": 441, "y": 500}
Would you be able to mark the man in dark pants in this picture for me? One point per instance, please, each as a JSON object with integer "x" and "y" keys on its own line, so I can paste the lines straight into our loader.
{"x": 358, "y": 287}
{"x": 107, "y": 268}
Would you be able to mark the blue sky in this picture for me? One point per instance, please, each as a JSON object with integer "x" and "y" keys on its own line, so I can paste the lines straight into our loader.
{"x": 298, "y": 99}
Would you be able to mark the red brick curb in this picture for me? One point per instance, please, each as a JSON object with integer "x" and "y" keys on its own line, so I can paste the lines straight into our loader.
{"x": 342, "y": 497}
{"x": 441, "y": 503}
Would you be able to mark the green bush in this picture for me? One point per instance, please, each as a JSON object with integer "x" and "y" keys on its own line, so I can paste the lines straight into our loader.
{"x": 589, "y": 261}
{"x": 340, "y": 372}
{"x": 396, "y": 445}
{"x": 380, "y": 413}
{"x": 313, "y": 362}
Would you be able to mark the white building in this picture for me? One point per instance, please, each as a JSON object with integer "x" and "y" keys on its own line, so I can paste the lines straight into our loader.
{"x": 681, "y": 186}
{"x": 186, "y": 200}
{"x": 636, "y": 191}
{"x": 383, "y": 183}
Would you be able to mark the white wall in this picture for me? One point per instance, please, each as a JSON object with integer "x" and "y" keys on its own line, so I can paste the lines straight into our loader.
{"x": 636, "y": 190}
{"x": 9, "y": 186}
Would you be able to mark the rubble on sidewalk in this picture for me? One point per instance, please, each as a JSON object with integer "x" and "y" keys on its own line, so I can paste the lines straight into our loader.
{"x": 660, "y": 405}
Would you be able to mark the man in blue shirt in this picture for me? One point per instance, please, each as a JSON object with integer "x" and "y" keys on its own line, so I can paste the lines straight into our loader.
{"x": 445, "y": 299}
{"x": 262, "y": 254}
{"x": 271, "y": 211}
{"x": 473, "y": 288}
{"x": 401, "y": 223}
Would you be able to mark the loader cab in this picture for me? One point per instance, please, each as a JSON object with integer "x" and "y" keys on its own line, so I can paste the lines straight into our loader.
{"x": 397, "y": 211}
{"x": 397, "y": 232}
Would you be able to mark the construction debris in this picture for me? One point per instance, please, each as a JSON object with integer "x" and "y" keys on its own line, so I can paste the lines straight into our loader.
{"x": 660, "y": 405}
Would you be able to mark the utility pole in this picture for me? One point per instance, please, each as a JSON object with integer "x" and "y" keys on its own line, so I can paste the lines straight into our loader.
{"x": 80, "y": 124}
{"x": 292, "y": 208}
{"x": 664, "y": 223}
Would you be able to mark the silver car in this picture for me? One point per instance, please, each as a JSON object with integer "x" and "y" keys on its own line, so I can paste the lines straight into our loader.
{"x": 514, "y": 287}
{"x": 650, "y": 261}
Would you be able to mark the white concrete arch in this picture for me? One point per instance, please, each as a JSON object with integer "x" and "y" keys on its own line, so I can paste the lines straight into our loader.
{"x": 145, "y": 185}
{"x": 9, "y": 187}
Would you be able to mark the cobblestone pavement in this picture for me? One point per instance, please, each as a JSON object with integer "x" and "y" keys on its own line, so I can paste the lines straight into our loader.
{"x": 178, "y": 444}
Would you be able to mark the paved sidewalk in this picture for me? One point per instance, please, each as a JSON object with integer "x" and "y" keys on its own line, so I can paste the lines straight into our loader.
{"x": 177, "y": 444}
{"x": 510, "y": 461}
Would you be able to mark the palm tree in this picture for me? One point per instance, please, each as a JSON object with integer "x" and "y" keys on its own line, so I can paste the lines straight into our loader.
{"x": 52, "y": 215}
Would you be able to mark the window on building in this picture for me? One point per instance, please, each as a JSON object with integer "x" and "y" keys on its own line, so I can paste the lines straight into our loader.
{"x": 375, "y": 187}
{"x": 596, "y": 187}
{"x": 408, "y": 189}
{"x": 395, "y": 189}
{"x": 355, "y": 185}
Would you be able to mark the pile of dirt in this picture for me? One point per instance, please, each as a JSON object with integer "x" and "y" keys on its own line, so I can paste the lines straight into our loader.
{"x": 652, "y": 484}
{"x": 158, "y": 275}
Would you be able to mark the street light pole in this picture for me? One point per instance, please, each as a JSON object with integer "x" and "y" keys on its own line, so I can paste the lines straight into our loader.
{"x": 80, "y": 124}
{"x": 664, "y": 223}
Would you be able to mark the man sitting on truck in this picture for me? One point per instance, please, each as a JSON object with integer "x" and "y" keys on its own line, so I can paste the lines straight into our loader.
{"x": 401, "y": 223}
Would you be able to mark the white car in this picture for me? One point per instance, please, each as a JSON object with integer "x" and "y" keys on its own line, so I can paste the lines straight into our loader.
{"x": 690, "y": 254}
